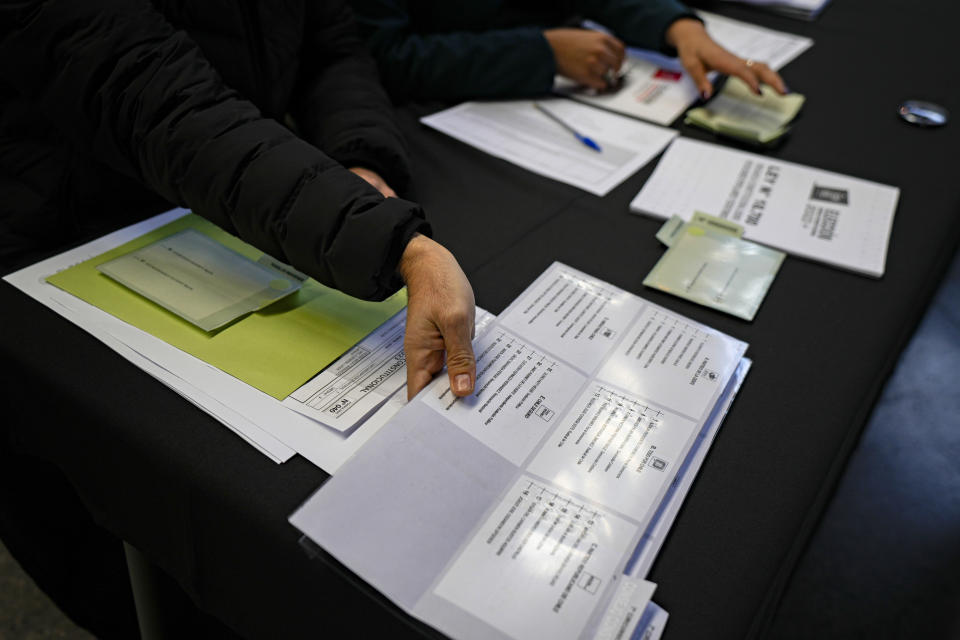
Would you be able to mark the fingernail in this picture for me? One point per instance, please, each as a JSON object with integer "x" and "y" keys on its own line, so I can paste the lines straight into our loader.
{"x": 705, "y": 95}
{"x": 461, "y": 383}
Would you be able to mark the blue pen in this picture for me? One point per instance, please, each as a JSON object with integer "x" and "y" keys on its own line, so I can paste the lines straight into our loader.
{"x": 579, "y": 136}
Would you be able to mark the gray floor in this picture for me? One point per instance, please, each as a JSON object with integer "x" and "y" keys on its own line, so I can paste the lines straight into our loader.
{"x": 885, "y": 562}
{"x": 27, "y": 614}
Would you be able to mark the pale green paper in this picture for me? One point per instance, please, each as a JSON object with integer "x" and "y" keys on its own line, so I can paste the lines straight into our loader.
{"x": 674, "y": 227}
{"x": 737, "y": 112}
{"x": 720, "y": 225}
{"x": 275, "y": 349}
{"x": 670, "y": 230}
{"x": 716, "y": 270}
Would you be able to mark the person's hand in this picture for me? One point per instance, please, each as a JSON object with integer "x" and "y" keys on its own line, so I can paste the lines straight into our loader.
{"x": 375, "y": 181}
{"x": 586, "y": 56}
{"x": 440, "y": 317}
{"x": 700, "y": 54}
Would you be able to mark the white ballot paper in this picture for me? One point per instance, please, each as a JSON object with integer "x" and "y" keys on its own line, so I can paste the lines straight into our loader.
{"x": 817, "y": 214}
{"x": 516, "y": 512}
{"x": 517, "y": 132}
{"x": 358, "y": 382}
{"x": 658, "y": 89}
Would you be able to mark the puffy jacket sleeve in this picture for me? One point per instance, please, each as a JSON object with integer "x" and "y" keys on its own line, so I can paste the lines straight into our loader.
{"x": 121, "y": 82}
{"x": 457, "y": 65}
{"x": 339, "y": 103}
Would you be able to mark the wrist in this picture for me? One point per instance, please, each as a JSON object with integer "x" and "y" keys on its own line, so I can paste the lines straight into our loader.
{"x": 413, "y": 255}
{"x": 682, "y": 28}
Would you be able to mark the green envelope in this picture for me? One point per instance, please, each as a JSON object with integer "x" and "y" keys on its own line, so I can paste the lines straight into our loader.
{"x": 737, "y": 112}
{"x": 713, "y": 267}
{"x": 275, "y": 349}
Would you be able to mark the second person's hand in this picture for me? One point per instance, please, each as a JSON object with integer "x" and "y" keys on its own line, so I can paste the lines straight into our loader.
{"x": 585, "y": 56}
{"x": 699, "y": 54}
{"x": 440, "y": 318}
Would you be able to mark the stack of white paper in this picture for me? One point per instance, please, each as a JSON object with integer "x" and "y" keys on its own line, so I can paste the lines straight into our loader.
{"x": 365, "y": 376}
{"x": 535, "y": 507}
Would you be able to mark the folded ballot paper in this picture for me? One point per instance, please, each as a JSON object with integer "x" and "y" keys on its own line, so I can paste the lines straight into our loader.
{"x": 534, "y": 508}
{"x": 737, "y": 112}
{"x": 708, "y": 262}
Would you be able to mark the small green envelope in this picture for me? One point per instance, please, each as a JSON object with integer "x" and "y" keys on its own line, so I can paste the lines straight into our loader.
{"x": 716, "y": 269}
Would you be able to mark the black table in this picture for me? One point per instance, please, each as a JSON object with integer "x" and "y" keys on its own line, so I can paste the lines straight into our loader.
{"x": 211, "y": 511}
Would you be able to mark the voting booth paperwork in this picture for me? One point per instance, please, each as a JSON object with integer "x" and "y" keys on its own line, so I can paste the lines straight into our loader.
{"x": 145, "y": 291}
{"x": 534, "y": 508}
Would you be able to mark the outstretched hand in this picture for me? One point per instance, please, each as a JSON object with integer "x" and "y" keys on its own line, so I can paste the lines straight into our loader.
{"x": 699, "y": 54}
{"x": 440, "y": 318}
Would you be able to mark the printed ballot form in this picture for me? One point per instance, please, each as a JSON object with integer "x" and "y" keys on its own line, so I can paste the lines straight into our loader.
{"x": 517, "y": 132}
{"x": 658, "y": 89}
{"x": 520, "y": 511}
{"x": 821, "y": 215}
{"x": 344, "y": 394}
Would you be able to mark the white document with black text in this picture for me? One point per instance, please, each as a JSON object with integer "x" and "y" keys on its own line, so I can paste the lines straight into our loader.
{"x": 820, "y": 215}
{"x": 657, "y": 88}
{"x": 519, "y": 133}
{"x": 518, "y": 512}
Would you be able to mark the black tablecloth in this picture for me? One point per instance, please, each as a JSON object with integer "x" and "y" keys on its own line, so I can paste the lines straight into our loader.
{"x": 211, "y": 511}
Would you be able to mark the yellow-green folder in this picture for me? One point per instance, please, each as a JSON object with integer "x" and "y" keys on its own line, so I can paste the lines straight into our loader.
{"x": 275, "y": 349}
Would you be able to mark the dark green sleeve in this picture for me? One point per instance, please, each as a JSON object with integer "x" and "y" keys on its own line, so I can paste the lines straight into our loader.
{"x": 639, "y": 23}
{"x": 502, "y": 63}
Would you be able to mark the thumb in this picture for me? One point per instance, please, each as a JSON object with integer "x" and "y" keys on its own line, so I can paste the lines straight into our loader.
{"x": 461, "y": 364}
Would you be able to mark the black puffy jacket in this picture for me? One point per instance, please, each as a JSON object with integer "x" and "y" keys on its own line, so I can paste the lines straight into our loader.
{"x": 103, "y": 102}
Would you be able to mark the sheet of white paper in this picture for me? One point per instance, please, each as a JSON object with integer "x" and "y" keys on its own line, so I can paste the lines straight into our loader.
{"x": 544, "y": 548}
{"x": 517, "y": 132}
{"x": 653, "y": 622}
{"x": 255, "y": 416}
{"x": 628, "y": 604}
{"x": 656, "y": 88}
{"x": 344, "y": 393}
{"x": 821, "y": 215}
{"x": 513, "y": 513}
